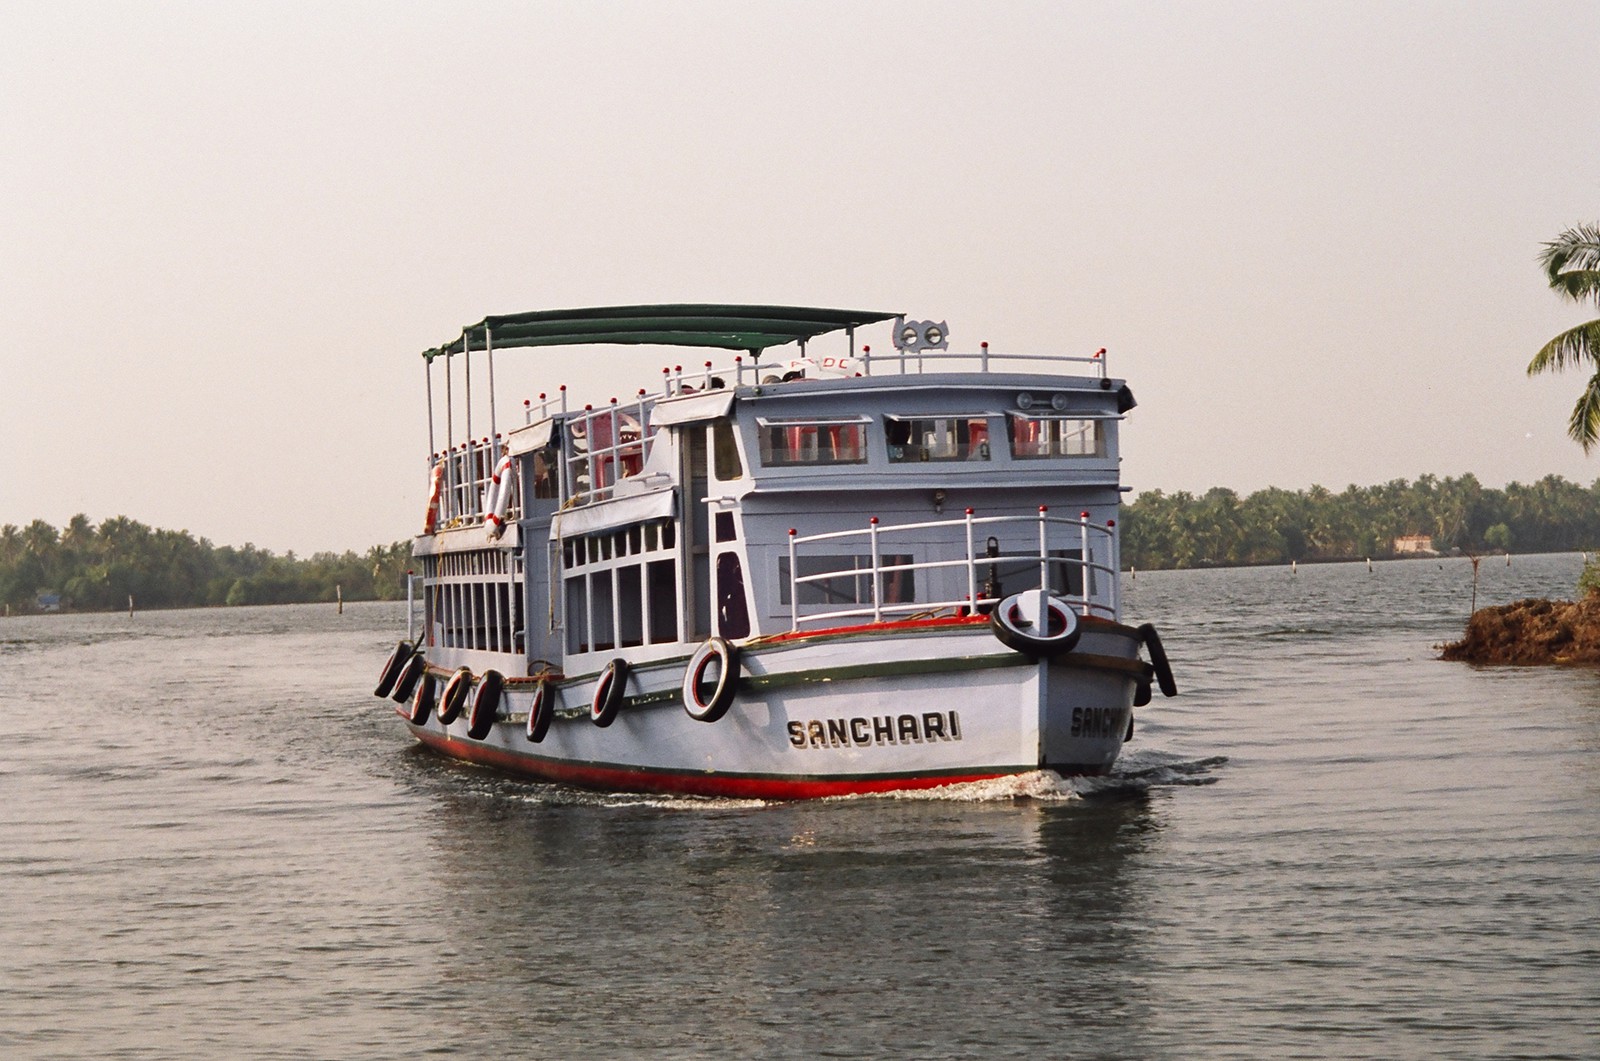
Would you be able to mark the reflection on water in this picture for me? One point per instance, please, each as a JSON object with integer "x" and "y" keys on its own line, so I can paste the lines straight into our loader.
{"x": 1331, "y": 845}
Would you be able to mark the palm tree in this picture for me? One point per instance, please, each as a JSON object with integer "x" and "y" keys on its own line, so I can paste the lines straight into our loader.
{"x": 1572, "y": 264}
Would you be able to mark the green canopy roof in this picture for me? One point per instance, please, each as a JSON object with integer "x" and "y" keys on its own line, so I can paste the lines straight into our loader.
{"x": 752, "y": 328}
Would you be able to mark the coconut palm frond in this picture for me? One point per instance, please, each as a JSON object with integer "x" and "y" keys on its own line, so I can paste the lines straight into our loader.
{"x": 1584, "y": 426}
{"x": 1578, "y": 248}
{"x": 1578, "y": 284}
{"x": 1572, "y": 347}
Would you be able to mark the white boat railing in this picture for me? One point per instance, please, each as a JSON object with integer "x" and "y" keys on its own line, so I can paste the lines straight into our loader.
{"x": 1096, "y": 564}
{"x": 468, "y": 471}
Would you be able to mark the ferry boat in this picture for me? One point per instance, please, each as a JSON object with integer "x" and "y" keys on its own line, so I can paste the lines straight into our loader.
{"x": 811, "y": 570}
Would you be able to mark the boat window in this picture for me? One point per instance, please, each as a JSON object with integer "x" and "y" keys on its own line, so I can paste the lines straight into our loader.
{"x": 850, "y": 580}
{"x": 725, "y": 527}
{"x": 661, "y": 583}
{"x": 725, "y": 463}
{"x": 936, "y": 438}
{"x": 813, "y": 441}
{"x": 733, "y": 615}
{"x": 1034, "y": 437}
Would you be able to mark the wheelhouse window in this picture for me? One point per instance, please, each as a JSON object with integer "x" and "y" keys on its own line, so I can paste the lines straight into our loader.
{"x": 814, "y": 441}
{"x": 936, "y": 438}
{"x": 1036, "y": 437}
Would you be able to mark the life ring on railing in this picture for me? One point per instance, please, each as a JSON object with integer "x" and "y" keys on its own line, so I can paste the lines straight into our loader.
{"x": 391, "y": 668}
{"x": 609, "y": 692}
{"x": 541, "y": 711}
{"x": 431, "y": 520}
{"x": 485, "y": 704}
{"x": 422, "y": 703}
{"x": 701, "y": 707}
{"x": 1036, "y": 622}
{"x": 1158, "y": 659}
{"x": 414, "y": 668}
{"x": 499, "y": 498}
{"x": 454, "y": 696}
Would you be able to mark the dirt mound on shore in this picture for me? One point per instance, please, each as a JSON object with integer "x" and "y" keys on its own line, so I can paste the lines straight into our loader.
{"x": 1532, "y": 631}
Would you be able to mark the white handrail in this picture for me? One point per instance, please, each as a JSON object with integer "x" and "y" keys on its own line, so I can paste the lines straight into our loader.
{"x": 1092, "y": 570}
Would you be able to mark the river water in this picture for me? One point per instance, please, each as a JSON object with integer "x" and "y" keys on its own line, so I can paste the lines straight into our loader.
{"x": 217, "y": 843}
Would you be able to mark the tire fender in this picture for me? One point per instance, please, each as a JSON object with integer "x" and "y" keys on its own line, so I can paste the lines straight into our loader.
{"x": 1036, "y": 622}
{"x": 485, "y": 704}
{"x": 704, "y": 707}
{"x": 391, "y": 668}
{"x": 454, "y": 697}
{"x": 609, "y": 692}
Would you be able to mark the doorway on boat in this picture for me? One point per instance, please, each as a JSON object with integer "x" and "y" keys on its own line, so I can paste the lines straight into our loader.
{"x": 712, "y": 456}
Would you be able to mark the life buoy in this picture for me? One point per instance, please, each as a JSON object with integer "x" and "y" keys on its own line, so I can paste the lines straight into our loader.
{"x": 701, "y": 706}
{"x": 414, "y": 668}
{"x": 485, "y": 704}
{"x": 422, "y": 703}
{"x": 391, "y": 668}
{"x": 1158, "y": 659}
{"x": 455, "y": 695}
{"x": 1036, "y": 622}
{"x": 609, "y": 692}
{"x": 541, "y": 711}
{"x": 497, "y": 498}
{"x": 435, "y": 491}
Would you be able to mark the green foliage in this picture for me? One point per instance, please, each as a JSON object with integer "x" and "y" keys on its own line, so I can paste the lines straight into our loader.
{"x": 1589, "y": 581}
{"x": 1571, "y": 264}
{"x": 1276, "y": 526}
{"x": 99, "y": 568}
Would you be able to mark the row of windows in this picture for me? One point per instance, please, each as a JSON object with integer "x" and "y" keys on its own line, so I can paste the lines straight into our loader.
{"x": 467, "y": 564}
{"x": 930, "y": 438}
{"x": 479, "y": 615}
{"x": 586, "y": 549}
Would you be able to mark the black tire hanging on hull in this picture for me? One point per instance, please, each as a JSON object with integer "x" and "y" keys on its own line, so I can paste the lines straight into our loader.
{"x": 391, "y": 668}
{"x": 455, "y": 695}
{"x": 485, "y": 704}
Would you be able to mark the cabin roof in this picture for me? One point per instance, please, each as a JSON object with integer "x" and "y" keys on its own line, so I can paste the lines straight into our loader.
{"x": 728, "y": 327}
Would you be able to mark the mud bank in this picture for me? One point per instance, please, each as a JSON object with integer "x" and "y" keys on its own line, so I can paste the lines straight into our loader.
{"x": 1531, "y": 631}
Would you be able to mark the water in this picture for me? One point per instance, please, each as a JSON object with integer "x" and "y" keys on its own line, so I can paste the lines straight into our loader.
{"x": 216, "y": 843}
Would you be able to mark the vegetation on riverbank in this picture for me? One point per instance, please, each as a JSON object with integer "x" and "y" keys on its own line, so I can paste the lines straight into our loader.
{"x": 1273, "y": 526}
{"x": 88, "y": 567}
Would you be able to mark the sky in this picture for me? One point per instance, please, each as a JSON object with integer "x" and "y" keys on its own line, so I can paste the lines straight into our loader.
{"x": 1307, "y": 233}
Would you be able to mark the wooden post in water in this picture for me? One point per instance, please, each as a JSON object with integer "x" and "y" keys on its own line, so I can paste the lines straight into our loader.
{"x": 130, "y": 606}
{"x": 338, "y": 591}
{"x": 1474, "y": 583}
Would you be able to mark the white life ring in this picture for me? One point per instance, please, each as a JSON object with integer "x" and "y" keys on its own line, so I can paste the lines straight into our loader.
{"x": 609, "y": 693}
{"x": 485, "y": 704}
{"x": 435, "y": 490}
{"x": 1036, "y": 622}
{"x": 701, "y": 707}
{"x": 497, "y": 499}
{"x": 541, "y": 711}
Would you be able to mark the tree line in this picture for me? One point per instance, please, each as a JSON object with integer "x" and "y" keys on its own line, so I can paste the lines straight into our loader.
{"x": 89, "y": 567}
{"x": 1275, "y": 526}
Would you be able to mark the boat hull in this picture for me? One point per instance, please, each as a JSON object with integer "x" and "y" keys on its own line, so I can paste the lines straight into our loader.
{"x": 869, "y": 709}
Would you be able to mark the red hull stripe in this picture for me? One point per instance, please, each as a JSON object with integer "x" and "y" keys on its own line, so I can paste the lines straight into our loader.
{"x": 740, "y": 786}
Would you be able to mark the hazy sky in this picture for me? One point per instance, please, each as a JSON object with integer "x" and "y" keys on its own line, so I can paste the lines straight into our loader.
{"x": 1306, "y": 232}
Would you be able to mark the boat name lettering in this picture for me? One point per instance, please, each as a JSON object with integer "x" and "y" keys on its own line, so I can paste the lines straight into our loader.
{"x": 1099, "y": 721}
{"x": 879, "y": 729}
